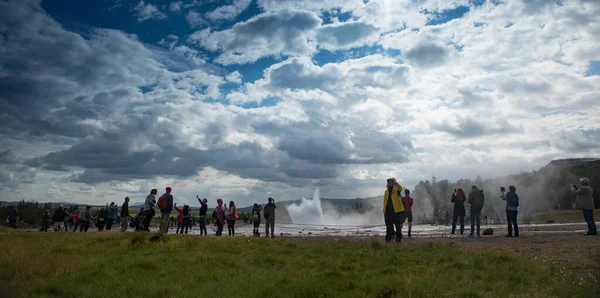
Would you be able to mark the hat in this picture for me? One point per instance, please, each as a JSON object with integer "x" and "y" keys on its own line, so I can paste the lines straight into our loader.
{"x": 169, "y": 189}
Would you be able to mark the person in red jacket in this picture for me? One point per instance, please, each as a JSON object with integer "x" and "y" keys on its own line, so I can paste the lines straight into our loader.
{"x": 408, "y": 202}
{"x": 179, "y": 219}
{"x": 232, "y": 216}
{"x": 76, "y": 218}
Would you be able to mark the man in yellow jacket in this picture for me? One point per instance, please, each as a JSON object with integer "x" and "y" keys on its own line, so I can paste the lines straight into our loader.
{"x": 393, "y": 210}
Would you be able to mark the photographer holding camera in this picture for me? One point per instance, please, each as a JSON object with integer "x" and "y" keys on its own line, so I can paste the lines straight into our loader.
{"x": 512, "y": 206}
{"x": 585, "y": 200}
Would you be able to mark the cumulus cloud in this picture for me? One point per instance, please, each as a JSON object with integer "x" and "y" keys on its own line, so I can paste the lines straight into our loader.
{"x": 468, "y": 127}
{"x": 228, "y": 12}
{"x": 346, "y": 35}
{"x": 195, "y": 19}
{"x": 146, "y": 11}
{"x": 270, "y": 34}
{"x": 176, "y": 6}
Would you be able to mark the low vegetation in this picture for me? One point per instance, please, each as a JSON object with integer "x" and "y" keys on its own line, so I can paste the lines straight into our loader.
{"x": 131, "y": 265}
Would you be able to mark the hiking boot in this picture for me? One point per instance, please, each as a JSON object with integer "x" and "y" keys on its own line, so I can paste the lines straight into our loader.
{"x": 590, "y": 234}
{"x": 509, "y": 235}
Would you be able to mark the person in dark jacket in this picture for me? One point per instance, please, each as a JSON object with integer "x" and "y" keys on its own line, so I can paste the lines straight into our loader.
{"x": 125, "y": 215}
{"x": 512, "y": 206}
{"x": 476, "y": 200}
{"x": 458, "y": 198}
{"x": 202, "y": 218}
{"x": 101, "y": 219}
{"x": 585, "y": 201}
{"x": 59, "y": 218}
{"x": 111, "y": 215}
{"x": 256, "y": 209}
{"x": 86, "y": 218}
{"x": 269, "y": 214}
{"x": 45, "y": 221}
{"x": 13, "y": 217}
{"x": 187, "y": 219}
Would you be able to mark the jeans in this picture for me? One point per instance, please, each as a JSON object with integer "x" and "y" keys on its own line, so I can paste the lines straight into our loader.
{"x": 219, "y": 228}
{"x": 124, "y": 223}
{"x": 270, "y": 223}
{"x": 75, "y": 226}
{"x": 256, "y": 227}
{"x": 147, "y": 219}
{"x": 588, "y": 215}
{"x": 109, "y": 223}
{"x": 231, "y": 227}
{"x": 84, "y": 225}
{"x": 511, "y": 218}
{"x": 475, "y": 217}
{"x": 392, "y": 220}
{"x": 184, "y": 224}
{"x": 202, "y": 221}
{"x": 164, "y": 221}
{"x": 456, "y": 217}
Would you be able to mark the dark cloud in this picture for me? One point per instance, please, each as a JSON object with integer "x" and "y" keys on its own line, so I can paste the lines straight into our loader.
{"x": 468, "y": 127}
{"x": 7, "y": 157}
{"x": 298, "y": 75}
{"x": 344, "y": 35}
{"x": 427, "y": 55}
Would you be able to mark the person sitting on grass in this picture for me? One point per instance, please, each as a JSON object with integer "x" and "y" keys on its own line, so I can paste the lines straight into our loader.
{"x": 408, "y": 202}
{"x": 232, "y": 216}
{"x": 458, "y": 198}
{"x": 393, "y": 210}
{"x": 585, "y": 201}
{"x": 512, "y": 207}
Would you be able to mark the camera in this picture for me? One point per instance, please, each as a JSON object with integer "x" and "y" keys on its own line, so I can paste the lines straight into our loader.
{"x": 502, "y": 189}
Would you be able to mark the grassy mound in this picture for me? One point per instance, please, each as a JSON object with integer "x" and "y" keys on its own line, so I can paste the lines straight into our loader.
{"x": 130, "y": 265}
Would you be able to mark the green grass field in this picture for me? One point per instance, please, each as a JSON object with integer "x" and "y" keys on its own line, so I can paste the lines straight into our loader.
{"x": 128, "y": 265}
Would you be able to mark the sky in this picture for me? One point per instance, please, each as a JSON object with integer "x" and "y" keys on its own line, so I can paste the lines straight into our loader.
{"x": 249, "y": 99}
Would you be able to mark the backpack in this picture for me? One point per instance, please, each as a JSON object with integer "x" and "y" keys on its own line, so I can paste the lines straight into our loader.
{"x": 162, "y": 202}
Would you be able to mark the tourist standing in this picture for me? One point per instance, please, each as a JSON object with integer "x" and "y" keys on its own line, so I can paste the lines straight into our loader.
{"x": 125, "y": 215}
{"x": 165, "y": 204}
{"x": 59, "y": 218}
{"x": 256, "y": 209}
{"x": 512, "y": 206}
{"x": 219, "y": 217}
{"x": 76, "y": 219}
{"x": 476, "y": 200}
{"x": 45, "y": 220}
{"x": 86, "y": 217}
{"x": 408, "y": 202}
{"x": 202, "y": 219}
{"x": 13, "y": 217}
{"x": 585, "y": 201}
{"x": 149, "y": 209}
{"x": 186, "y": 219}
{"x": 269, "y": 215}
{"x": 232, "y": 216}
{"x": 101, "y": 219}
{"x": 179, "y": 218}
{"x": 111, "y": 215}
{"x": 393, "y": 210}
{"x": 458, "y": 198}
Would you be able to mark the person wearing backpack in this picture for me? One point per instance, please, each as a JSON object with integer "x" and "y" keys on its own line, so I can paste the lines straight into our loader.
{"x": 232, "y": 216}
{"x": 476, "y": 200}
{"x": 202, "y": 218}
{"x": 256, "y": 209}
{"x": 269, "y": 214}
{"x": 149, "y": 209}
{"x": 165, "y": 204}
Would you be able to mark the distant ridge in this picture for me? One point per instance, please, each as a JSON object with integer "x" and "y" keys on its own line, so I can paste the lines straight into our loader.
{"x": 574, "y": 163}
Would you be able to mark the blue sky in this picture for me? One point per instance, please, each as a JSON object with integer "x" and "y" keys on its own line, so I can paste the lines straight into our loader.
{"x": 248, "y": 99}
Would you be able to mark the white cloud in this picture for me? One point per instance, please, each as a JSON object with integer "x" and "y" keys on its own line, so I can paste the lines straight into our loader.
{"x": 175, "y": 6}
{"x": 195, "y": 19}
{"x": 146, "y": 11}
{"x": 228, "y": 12}
{"x": 234, "y": 77}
